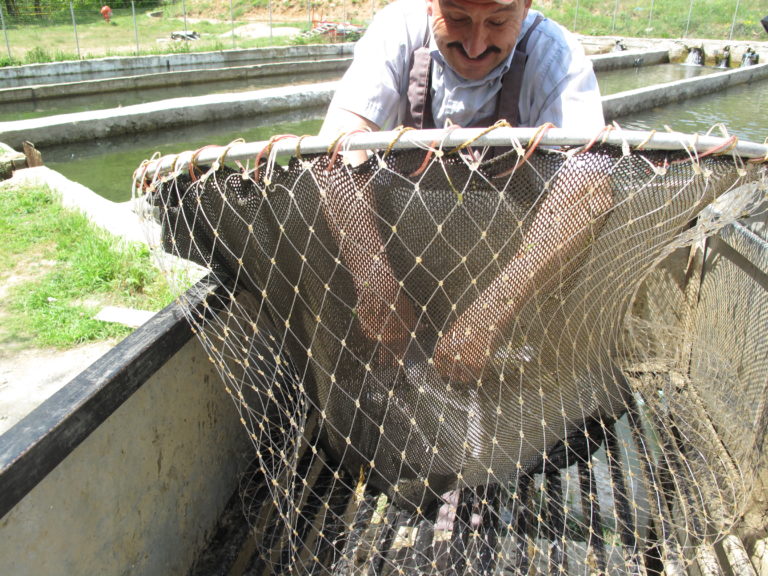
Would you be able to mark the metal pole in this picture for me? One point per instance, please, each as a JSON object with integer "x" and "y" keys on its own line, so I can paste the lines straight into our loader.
{"x": 309, "y": 14}
{"x": 613, "y": 23}
{"x": 575, "y": 16}
{"x": 74, "y": 25}
{"x": 427, "y": 138}
{"x": 135, "y": 26}
{"x": 650, "y": 15}
{"x": 688, "y": 24}
{"x": 184, "y": 12}
{"x": 5, "y": 33}
{"x": 733, "y": 24}
{"x": 232, "y": 20}
{"x": 269, "y": 5}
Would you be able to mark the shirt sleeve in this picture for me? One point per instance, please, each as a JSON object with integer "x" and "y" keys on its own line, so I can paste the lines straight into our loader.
{"x": 376, "y": 80}
{"x": 560, "y": 85}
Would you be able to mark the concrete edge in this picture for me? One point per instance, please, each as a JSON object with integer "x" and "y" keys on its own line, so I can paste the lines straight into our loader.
{"x": 171, "y": 79}
{"x": 631, "y": 101}
{"x": 82, "y": 126}
{"x": 628, "y": 59}
{"x": 168, "y": 62}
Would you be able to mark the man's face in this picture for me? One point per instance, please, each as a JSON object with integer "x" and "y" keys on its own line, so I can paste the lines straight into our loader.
{"x": 475, "y": 36}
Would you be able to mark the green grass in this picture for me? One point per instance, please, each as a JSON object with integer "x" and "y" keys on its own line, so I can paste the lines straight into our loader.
{"x": 53, "y": 38}
{"x": 69, "y": 270}
{"x": 712, "y": 19}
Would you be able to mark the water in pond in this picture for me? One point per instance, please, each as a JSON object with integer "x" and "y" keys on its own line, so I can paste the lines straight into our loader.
{"x": 107, "y": 166}
{"x": 49, "y": 107}
{"x": 613, "y": 81}
{"x": 742, "y": 109}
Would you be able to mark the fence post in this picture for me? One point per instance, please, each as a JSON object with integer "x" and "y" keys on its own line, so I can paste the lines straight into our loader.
{"x": 688, "y": 24}
{"x": 733, "y": 23}
{"x": 650, "y": 15}
{"x": 269, "y": 6}
{"x": 74, "y": 25}
{"x": 5, "y": 33}
{"x": 613, "y": 22}
{"x": 575, "y": 16}
{"x": 232, "y": 21}
{"x": 135, "y": 26}
{"x": 184, "y": 12}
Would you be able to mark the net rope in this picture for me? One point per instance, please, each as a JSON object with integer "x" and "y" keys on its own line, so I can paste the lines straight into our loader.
{"x": 469, "y": 358}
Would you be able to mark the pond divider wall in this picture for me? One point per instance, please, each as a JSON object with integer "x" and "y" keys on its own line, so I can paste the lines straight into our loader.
{"x": 631, "y": 101}
{"x": 169, "y": 62}
{"x": 334, "y": 66}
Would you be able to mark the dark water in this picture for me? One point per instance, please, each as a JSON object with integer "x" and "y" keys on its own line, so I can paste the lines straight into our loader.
{"x": 107, "y": 167}
{"x": 613, "y": 81}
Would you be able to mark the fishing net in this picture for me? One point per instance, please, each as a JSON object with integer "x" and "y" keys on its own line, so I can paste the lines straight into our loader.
{"x": 475, "y": 352}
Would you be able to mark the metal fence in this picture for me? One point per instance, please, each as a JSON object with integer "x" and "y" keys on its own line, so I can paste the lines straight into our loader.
{"x": 54, "y": 30}
{"x": 42, "y": 30}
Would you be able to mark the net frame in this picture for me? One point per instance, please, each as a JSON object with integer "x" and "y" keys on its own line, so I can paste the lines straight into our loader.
{"x": 678, "y": 536}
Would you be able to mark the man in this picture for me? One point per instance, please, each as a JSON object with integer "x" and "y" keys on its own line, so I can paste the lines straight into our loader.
{"x": 474, "y": 72}
{"x": 433, "y": 63}
{"x": 485, "y": 60}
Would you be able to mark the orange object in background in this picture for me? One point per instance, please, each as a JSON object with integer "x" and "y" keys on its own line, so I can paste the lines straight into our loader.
{"x": 106, "y": 12}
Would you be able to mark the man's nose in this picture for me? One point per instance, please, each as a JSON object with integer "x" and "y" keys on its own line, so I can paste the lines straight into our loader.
{"x": 476, "y": 40}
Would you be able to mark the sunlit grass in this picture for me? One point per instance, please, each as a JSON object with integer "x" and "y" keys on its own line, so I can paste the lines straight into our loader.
{"x": 66, "y": 269}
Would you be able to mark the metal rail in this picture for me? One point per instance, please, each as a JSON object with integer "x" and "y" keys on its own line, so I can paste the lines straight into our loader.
{"x": 451, "y": 139}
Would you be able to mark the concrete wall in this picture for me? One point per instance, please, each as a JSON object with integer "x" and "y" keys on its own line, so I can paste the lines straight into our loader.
{"x": 629, "y": 59}
{"x": 170, "y": 62}
{"x": 631, "y": 101}
{"x": 332, "y": 67}
{"x": 143, "y": 491}
{"x": 139, "y": 118}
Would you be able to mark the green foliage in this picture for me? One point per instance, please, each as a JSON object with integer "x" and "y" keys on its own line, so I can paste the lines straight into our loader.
{"x": 73, "y": 268}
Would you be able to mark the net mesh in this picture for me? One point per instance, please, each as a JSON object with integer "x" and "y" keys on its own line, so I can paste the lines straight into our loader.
{"x": 471, "y": 360}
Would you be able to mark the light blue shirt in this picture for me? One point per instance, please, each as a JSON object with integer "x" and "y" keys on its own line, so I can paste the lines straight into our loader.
{"x": 559, "y": 85}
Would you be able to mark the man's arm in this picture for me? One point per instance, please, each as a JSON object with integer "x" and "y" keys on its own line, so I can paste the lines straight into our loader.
{"x": 339, "y": 121}
{"x": 383, "y": 310}
{"x": 563, "y": 227}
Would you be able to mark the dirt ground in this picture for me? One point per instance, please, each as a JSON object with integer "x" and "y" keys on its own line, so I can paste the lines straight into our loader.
{"x": 29, "y": 375}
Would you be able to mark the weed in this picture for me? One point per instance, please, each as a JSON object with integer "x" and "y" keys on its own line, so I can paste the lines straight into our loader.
{"x": 87, "y": 269}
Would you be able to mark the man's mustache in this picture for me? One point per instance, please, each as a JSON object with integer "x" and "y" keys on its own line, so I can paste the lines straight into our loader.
{"x": 490, "y": 50}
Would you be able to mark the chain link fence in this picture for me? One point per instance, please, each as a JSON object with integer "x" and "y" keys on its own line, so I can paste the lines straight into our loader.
{"x": 47, "y": 30}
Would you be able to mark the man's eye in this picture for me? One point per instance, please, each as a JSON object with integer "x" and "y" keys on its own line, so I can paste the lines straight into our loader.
{"x": 457, "y": 19}
{"x": 498, "y": 23}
